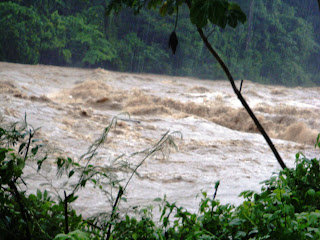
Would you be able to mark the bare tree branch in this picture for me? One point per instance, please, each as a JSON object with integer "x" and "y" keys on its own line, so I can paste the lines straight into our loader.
{"x": 239, "y": 95}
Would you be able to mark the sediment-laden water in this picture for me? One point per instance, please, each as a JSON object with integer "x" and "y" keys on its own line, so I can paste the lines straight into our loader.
{"x": 220, "y": 142}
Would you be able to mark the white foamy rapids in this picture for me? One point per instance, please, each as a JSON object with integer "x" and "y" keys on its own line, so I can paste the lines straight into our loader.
{"x": 220, "y": 142}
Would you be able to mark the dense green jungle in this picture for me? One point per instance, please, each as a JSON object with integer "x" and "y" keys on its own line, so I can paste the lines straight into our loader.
{"x": 279, "y": 43}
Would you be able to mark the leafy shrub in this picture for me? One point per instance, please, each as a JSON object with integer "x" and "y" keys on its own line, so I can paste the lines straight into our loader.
{"x": 22, "y": 216}
{"x": 288, "y": 206}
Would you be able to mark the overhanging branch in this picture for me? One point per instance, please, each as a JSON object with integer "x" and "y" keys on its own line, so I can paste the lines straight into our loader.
{"x": 239, "y": 95}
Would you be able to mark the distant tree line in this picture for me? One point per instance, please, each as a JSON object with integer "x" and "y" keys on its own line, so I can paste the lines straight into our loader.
{"x": 277, "y": 45}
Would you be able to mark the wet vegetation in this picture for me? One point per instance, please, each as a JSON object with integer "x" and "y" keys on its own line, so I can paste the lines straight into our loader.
{"x": 287, "y": 207}
{"x": 278, "y": 44}
{"x": 55, "y": 32}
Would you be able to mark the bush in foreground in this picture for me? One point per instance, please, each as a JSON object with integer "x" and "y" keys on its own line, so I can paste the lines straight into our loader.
{"x": 288, "y": 206}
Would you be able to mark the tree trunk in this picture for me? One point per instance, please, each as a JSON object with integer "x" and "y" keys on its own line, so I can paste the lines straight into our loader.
{"x": 250, "y": 25}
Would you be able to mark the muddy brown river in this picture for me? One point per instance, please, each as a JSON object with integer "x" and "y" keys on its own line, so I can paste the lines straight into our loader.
{"x": 220, "y": 142}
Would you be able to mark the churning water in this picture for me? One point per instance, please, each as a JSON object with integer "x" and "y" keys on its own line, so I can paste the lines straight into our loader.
{"x": 220, "y": 142}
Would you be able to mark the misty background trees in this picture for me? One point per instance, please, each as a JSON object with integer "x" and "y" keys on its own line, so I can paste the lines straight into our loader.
{"x": 277, "y": 45}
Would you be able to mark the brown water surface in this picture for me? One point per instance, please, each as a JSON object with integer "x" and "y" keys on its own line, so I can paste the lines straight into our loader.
{"x": 220, "y": 142}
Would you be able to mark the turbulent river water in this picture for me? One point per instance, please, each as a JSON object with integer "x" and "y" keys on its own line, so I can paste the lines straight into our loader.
{"x": 220, "y": 142}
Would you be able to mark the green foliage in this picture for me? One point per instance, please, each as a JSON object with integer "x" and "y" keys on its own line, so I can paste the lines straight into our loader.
{"x": 317, "y": 142}
{"x": 218, "y": 12}
{"x": 288, "y": 206}
{"x": 133, "y": 228}
{"x": 75, "y": 40}
{"x": 276, "y": 45}
{"x": 10, "y": 166}
{"x": 40, "y": 216}
{"x": 19, "y": 39}
{"x": 284, "y": 40}
{"x": 39, "y": 33}
{"x": 24, "y": 216}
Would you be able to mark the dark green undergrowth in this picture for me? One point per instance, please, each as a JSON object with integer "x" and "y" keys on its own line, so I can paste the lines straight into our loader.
{"x": 287, "y": 207}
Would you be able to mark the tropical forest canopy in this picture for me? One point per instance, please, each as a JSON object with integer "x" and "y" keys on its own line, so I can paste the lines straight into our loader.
{"x": 279, "y": 43}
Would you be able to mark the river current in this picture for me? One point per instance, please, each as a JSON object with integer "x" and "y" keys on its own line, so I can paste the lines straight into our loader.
{"x": 220, "y": 142}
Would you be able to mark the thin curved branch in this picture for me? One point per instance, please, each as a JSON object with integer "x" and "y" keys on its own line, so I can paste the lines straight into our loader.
{"x": 239, "y": 95}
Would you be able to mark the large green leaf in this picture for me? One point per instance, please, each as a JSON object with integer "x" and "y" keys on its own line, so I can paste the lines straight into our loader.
{"x": 218, "y": 12}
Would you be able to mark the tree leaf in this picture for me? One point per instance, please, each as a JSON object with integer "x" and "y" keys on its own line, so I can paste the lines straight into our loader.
{"x": 35, "y": 150}
{"x": 163, "y": 9}
{"x": 71, "y": 173}
{"x": 71, "y": 198}
{"x": 21, "y": 147}
{"x": 173, "y": 42}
